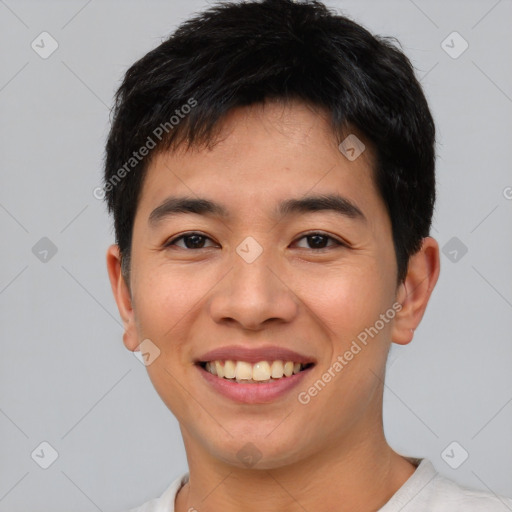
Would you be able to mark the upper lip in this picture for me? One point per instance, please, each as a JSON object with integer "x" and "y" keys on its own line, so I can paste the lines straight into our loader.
{"x": 254, "y": 355}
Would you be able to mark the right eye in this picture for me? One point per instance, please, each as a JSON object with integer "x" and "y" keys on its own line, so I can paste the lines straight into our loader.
{"x": 192, "y": 240}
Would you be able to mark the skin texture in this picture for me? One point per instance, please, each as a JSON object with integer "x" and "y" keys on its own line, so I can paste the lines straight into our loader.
{"x": 329, "y": 454}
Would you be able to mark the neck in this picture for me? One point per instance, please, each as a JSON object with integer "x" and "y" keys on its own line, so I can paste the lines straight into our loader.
{"x": 359, "y": 472}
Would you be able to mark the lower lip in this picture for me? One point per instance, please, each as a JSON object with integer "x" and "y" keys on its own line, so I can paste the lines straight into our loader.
{"x": 253, "y": 393}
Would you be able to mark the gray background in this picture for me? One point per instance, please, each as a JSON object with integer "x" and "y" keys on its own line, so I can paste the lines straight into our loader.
{"x": 66, "y": 377}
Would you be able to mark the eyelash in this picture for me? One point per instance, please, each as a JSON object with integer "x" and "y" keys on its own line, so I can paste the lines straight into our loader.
{"x": 337, "y": 243}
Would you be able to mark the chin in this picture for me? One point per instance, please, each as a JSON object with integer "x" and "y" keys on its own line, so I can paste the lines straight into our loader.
{"x": 259, "y": 452}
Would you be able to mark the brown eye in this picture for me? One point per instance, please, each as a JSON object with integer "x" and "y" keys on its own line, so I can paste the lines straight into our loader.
{"x": 320, "y": 241}
{"x": 190, "y": 241}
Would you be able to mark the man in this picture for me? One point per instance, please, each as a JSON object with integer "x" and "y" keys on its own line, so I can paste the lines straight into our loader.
{"x": 270, "y": 168}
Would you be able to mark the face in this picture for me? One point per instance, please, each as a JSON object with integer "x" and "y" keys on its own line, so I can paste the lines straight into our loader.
{"x": 261, "y": 267}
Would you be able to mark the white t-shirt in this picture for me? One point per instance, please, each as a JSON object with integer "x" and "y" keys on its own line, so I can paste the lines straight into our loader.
{"x": 425, "y": 491}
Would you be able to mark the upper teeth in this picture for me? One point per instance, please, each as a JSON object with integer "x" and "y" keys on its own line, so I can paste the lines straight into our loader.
{"x": 260, "y": 371}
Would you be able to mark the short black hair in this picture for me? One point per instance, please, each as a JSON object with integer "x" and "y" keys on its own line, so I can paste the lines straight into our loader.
{"x": 237, "y": 54}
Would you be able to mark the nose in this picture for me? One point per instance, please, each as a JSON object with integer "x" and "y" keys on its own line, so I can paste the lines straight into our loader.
{"x": 254, "y": 295}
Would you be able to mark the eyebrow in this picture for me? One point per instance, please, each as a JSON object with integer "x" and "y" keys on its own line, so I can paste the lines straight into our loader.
{"x": 201, "y": 206}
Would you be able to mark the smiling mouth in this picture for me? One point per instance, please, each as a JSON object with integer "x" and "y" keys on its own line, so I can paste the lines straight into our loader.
{"x": 258, "y": 373}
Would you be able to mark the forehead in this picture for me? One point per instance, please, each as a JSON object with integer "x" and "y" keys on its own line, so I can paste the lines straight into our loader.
{"x": 262, "y": 154}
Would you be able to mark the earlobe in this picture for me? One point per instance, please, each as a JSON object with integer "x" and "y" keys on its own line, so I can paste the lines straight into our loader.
{"x": 122, "y": 297}
{"x": 414, "y": 293}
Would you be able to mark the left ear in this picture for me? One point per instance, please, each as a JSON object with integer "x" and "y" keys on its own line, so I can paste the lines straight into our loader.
{"x": 414, "y": 293}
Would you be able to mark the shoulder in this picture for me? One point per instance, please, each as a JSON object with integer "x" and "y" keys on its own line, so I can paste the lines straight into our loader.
{"x": 165, "y": 503}
{"x": 428, "y": 491}
{"x": 449, "y": 495}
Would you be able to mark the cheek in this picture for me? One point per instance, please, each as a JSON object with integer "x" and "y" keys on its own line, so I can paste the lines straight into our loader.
{"x": 347, "y": 300}
{"x": 349, "y": 307}
{"x": 166, "y": 305}
{"x": 164, "y": 297}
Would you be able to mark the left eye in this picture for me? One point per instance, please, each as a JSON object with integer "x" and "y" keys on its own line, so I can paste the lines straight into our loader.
{"x": 197, "y": 241}
{"x": 319, "y": 240}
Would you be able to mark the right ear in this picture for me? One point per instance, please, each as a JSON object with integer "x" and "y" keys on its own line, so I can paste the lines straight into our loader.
{"x": 122, "y": 296}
